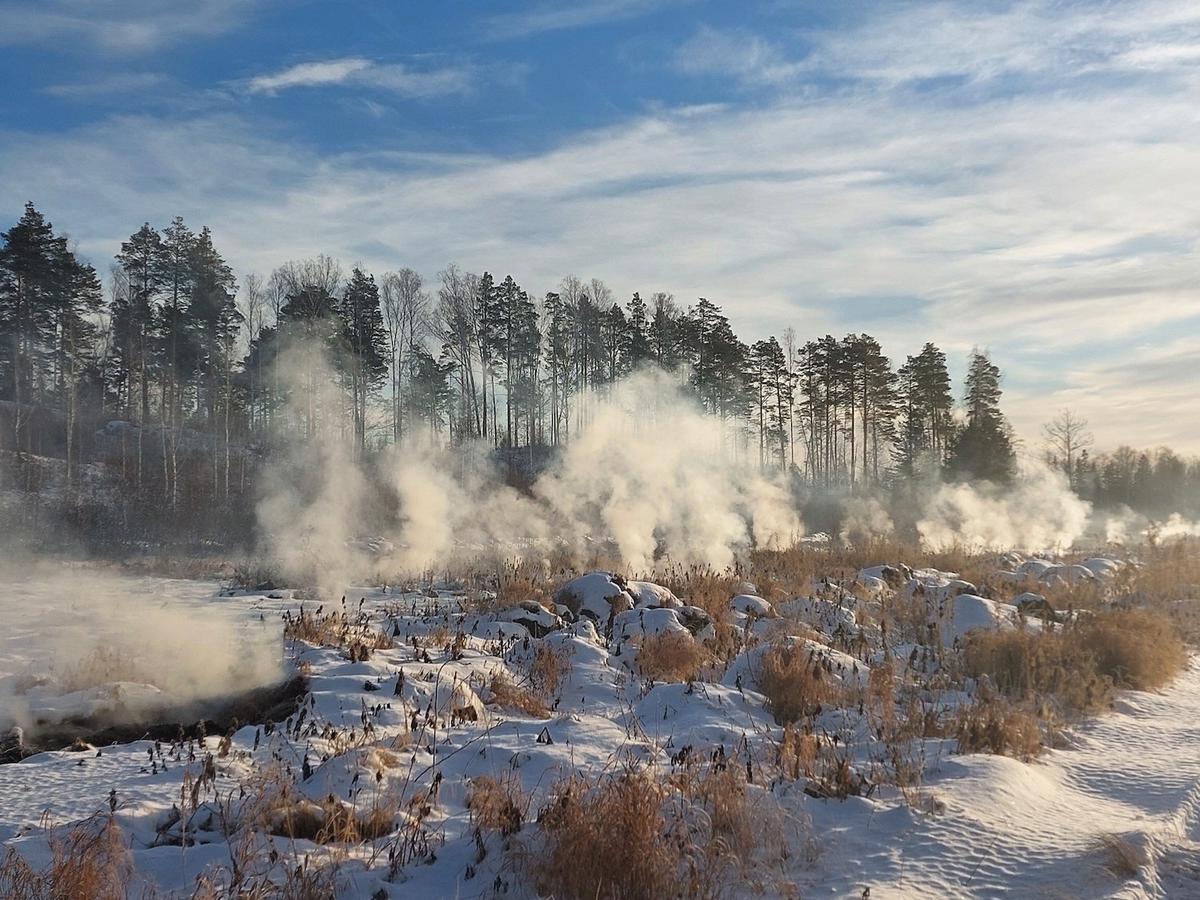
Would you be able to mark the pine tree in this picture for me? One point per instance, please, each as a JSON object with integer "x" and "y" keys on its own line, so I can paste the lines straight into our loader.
{"x": 558, "y": 330}
{"x": 983, "y": 448}
{"x": 926, "y": 409}
{"x": 768, "y": 382}
{"x": 431, "y": 395}
{"x": 406, "y": 318}
{"x": 31, "y": 282}
{"x": 663, "y": 332}
{"x": 638, "y": 320}
{"x": 365, "y": 341}
{"x": 137, "y": 320}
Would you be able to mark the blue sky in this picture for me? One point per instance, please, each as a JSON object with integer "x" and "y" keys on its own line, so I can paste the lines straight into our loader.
{"x": 1019, "y": 176}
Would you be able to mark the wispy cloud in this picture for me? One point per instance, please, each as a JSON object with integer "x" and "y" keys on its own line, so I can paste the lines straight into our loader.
{"x": 119, "y": 84}
{"x": 741, "y": 54}
{"x": 394, "y": 77}
{"x": 971, "y": 43}
{"x": 118, "y": 26}
{"x": 1059, "y": 227}
{"x": 560, "y": 16}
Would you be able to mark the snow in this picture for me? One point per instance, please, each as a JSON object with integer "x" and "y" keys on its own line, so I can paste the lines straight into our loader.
{"x": 387, "y": 726}
{"x": 595, "y": 595}
{"x": 751, "y": 605}
{"x": 967, "y": 612}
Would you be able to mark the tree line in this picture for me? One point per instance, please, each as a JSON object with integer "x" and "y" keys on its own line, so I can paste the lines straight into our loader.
{"x": 175, "y": 373}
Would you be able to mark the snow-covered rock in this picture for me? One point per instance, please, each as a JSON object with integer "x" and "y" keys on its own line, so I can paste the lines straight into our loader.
{"x": 533, "y": 616}
{"x": 1035, "y": 605}
{"x": 647, "y": 593}
{"x": 744, "y": 670}
{"x": 1103, "y": 567}
{"x": 969, "y": 612}
{"x": 1064, "y": 575}
{"x": 596, "y": 595}
{"x": 702, "y": 716}
{"x": 891, "y": 576}
{"x": 824, "y": 615}
{"x": 643, "y": 622}
{"x": 1034, "y": 567}
{"x": 752, "y": 605}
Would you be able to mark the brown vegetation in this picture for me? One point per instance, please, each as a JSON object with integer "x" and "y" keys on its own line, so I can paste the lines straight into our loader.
{"x": 506, "y": 693}
{"x": 670, "y": 656}
{"x": 1077, "y": 666}
{"x": 336, "y": 629}
{"x": 793, "y": 680}
{"x": 1135, "y": 648}
{"x": 87, "y": 862}
{"x": 607, "y": 842}
{"x": 498, "y": 804}
{"x": 1035, "y": 666}
{"x": 992, "y": 724}
{"x": 548, "y": 670}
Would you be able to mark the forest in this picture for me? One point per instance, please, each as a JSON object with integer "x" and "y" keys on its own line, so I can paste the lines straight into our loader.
{"x": 149, "y": 402}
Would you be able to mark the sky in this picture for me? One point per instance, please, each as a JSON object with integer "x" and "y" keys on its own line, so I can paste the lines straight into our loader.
{"x": 1019, "y": 177}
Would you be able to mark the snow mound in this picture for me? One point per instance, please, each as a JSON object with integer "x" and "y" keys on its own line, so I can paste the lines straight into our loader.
{"x": 968, "y": 612}
{"x": 534, "y": 617}
{"x": 646, "y": 593}
{"x": 824, "y": 615}
{"x": 700, "y": 715}
{"x": 843, "y": 667}
{"x": 1063, "y": 575}
{"x": 752, "y": 605}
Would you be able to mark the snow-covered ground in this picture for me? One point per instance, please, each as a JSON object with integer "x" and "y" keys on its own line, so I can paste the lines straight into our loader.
{"x": 414, "y": 720}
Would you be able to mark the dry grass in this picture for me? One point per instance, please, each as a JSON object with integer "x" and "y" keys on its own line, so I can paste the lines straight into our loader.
{"x": 336, "y": 629}
{"x": 328, "y": 822}
{"x": 607, "y": 842}
{"x": 797, "y": 754}
{"x": 1077, "y": 667}
{"x": 548, "y": 670}
{"x": 518, "y": 586}
{"x": 793, "y": 681}
{"x": 88, "y": 862}
{"x": 1169, "y": 572}
{"x": 272, "y": 804}
{"x": 702, "y": 586}
{"x": 506, "y": 693}
{"x": 103, "y": 665}
{"x": 696, "y": 835}
{"x": 1035, "y": 666}
{"x": 498, "y": 804}
{"x": 670, "y": 656}
{"x": 992, "y": 724}
{"x": 1135, "y": 648}
{"x": 1123, "y": 857}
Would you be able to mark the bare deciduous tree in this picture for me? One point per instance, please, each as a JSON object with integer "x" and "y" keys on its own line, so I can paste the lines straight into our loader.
{"x": 1066, "y": 435}
{"x": 406, "y": 318}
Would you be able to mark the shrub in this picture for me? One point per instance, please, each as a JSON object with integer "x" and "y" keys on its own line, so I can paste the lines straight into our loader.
{"x": 703, "y": 586}
{"x": 88, "y": 862}
{"x": 670, "y": 656}
{"x": 991, "y": 724}
{"x": 1028, "y": 665}
{"x": 607, "y": 842}
{"x": 548, "y": 670}
{"x": 336, "y": 629}
{"x": 1077, "y": 666}
{"x": 505, "y": 692}
{"x": 498, "y": 805}
{"x": 793, "y": 681}
{"x": 1136, "y": 648}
